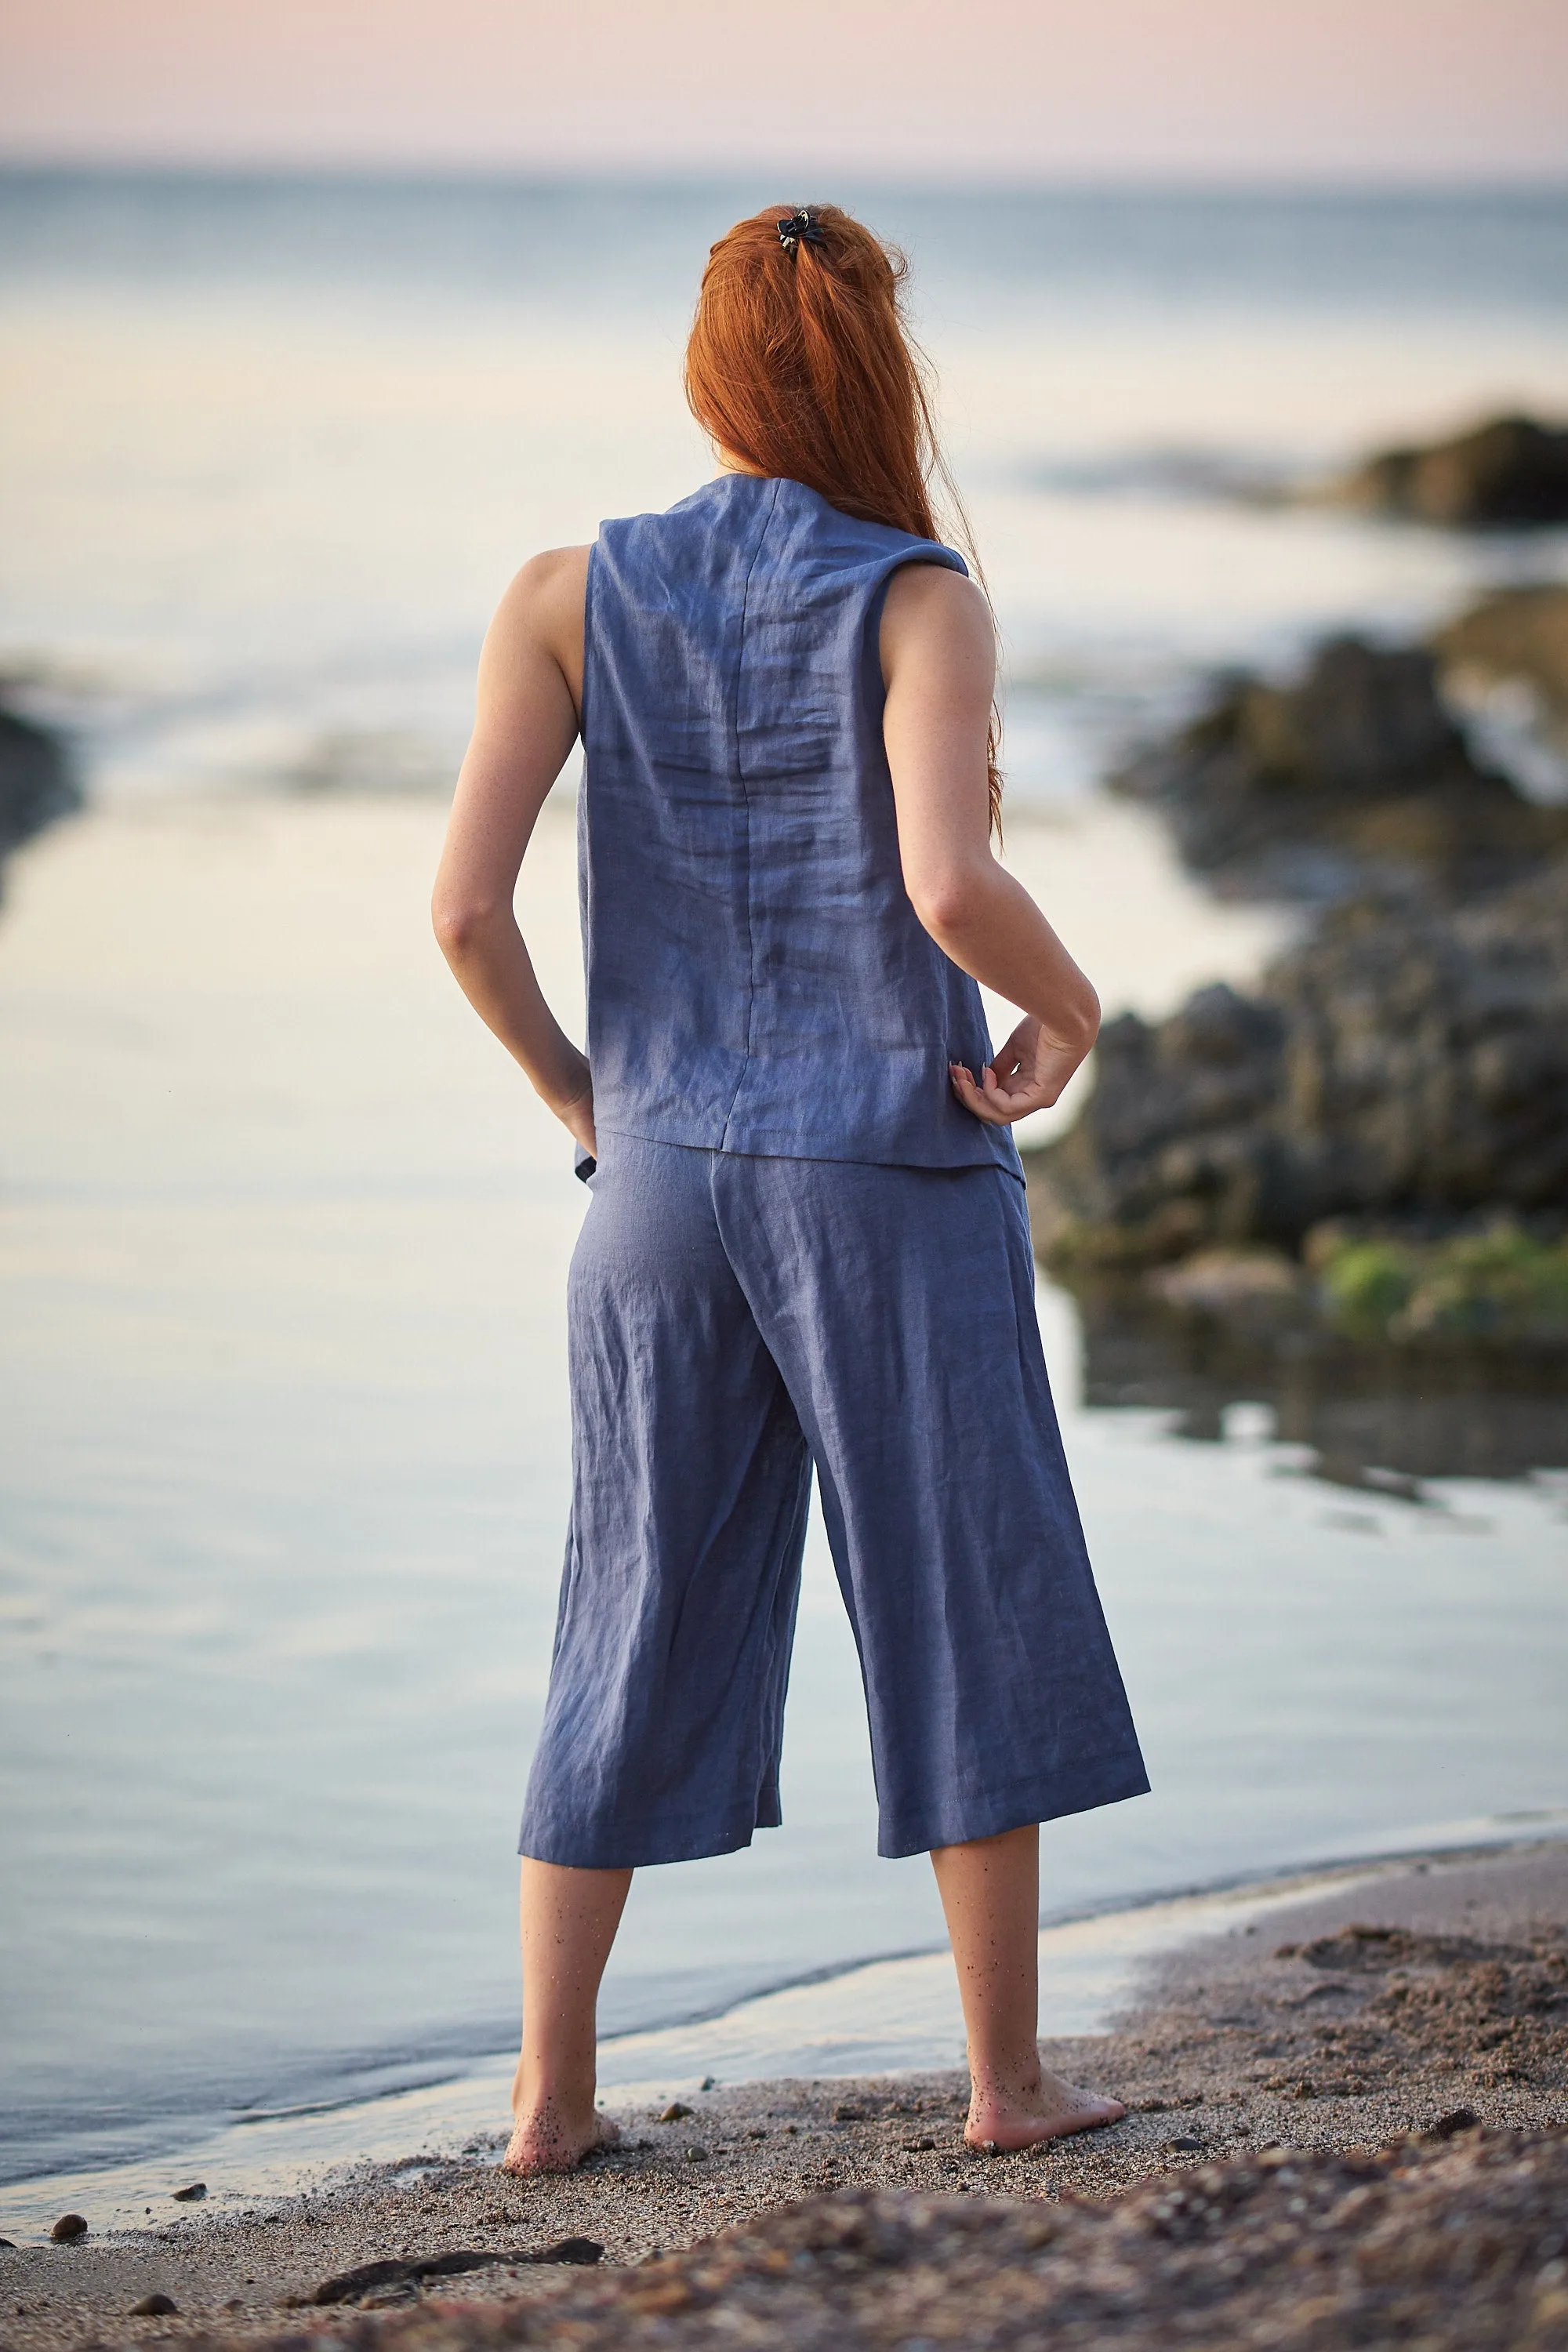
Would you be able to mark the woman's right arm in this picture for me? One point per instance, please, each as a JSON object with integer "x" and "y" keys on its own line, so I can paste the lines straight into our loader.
{"x": 530, "y": 688}
{"x": 938, "y": 664}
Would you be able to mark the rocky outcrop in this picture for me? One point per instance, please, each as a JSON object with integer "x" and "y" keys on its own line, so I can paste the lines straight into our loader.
{"x": 1507, "y": 473}
{"x": 1405, "y": 1062}
{"x": 36, "y": 783}
{"x": 1356, "y": 775}
{"x": 1519, "y": 634}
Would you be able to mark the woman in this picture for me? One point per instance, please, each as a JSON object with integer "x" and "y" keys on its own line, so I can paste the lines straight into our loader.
{"x": 807, "y": 1245}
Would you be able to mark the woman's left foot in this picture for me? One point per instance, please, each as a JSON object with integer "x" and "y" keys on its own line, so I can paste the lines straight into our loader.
{"x": 550, "y": 2141}
{"x": 1001, "y": 2122}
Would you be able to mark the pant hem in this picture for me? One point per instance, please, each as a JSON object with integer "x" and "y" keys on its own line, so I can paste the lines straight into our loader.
{"x": 1017, "y": 1804}
{"x": 643, "y": 1849}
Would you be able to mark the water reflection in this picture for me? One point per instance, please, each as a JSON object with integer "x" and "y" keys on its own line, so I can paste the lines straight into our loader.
{"x": 1379, "y": 1417}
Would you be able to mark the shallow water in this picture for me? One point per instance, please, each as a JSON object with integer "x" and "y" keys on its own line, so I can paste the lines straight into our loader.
{"x": 283, "y": 1238}
{"x": 284, "y": 1245}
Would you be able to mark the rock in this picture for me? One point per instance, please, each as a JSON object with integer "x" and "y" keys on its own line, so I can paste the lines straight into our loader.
{"x": 36, "y": 781}
{"x": 1355, "y": 776}
{"x": 369, "y": 2281}
{"x": 1520, "y": 632}
{"x": 1407, "y": 1061}
{"x": 1216, "y": 1282}
{"x": 190, "y": 2195}
{"x": 697, "y": 2156}
{"x": 846, "y": 2112}
{"x": 154, "y": 2306}
{"x": 674, "y": 2113}
{"x": 68, "y": 2227}
{"x": 1508, "y": 472}
{"x": 353, "y": 2286}
{"x": 1176, "y": 1146}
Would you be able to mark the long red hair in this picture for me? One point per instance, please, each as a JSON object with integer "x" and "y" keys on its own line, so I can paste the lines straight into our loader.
{"x": 800, "y": 365}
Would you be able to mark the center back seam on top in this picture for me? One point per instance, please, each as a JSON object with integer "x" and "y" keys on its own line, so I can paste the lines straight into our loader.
{"x": 746, "y": 805}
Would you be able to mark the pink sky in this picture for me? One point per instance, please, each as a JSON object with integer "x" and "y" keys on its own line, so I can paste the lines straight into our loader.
{"x": 1032, "y": 88}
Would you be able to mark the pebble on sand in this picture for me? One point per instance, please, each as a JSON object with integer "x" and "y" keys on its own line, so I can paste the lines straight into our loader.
{"x": 154, "y": 2306}
{"x": 190, "y": 2195}
{"x": 68, "y": 2226}
{"x": 674, "y": 2113}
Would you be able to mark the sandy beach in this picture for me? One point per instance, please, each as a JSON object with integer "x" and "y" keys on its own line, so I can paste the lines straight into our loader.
{"x": 1422, "y": 2013}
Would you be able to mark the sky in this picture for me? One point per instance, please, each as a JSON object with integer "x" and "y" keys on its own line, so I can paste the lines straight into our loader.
{"x": 1368, "y": 91}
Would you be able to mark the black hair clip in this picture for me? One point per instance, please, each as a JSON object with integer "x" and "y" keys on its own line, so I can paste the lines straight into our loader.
{"x": 800, "y": 225}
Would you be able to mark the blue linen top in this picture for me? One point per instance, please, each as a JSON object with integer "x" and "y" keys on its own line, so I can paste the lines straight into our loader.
{"x": 758, "y": 980}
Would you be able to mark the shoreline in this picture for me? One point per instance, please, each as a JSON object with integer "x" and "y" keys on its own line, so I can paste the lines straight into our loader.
{"x": 1399, "y": 2028}
{"x": 889, "y": 2021}
{"x": 888, "y": 2013}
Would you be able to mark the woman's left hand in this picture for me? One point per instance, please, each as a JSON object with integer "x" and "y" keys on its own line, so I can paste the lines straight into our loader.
{"x": 1027, "y": 1075}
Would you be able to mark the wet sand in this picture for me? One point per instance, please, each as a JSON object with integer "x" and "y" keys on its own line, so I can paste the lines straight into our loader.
{"x": 1347, "y": 2022}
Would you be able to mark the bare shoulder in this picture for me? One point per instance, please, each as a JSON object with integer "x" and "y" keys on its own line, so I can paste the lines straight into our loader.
{"x": 932, "y": 614}
{"x": 541, "y": 612}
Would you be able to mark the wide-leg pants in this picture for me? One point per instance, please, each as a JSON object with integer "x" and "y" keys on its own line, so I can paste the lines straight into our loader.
{"x": 734, "y": 1321}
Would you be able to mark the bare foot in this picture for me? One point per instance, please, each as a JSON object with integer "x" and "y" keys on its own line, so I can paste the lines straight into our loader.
{"x": 552, "y": 2141}
{"x": 1008, "y": 2119}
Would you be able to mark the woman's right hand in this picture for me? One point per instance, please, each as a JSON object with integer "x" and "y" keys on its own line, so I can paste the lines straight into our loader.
{"x": 577, "y": 1115}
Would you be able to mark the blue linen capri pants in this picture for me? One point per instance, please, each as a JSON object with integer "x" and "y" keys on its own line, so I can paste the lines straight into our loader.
{"x": 732, "y": 1322}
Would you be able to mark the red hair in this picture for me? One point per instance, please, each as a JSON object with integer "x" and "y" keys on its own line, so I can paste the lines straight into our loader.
{"x": 800, "y": 365}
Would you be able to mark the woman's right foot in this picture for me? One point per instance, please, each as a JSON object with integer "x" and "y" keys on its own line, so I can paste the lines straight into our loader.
{"x": 552, "y": 2141}
{"x": 1003, "y": 2120}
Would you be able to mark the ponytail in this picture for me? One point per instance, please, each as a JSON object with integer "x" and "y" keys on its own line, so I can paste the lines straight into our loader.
{"x": 800, "y": 365}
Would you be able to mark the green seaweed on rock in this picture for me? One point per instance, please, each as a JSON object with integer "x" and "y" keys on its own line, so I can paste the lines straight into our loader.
{"x": 1364, "y": 1284}
{"x": 1503, "y": 1286}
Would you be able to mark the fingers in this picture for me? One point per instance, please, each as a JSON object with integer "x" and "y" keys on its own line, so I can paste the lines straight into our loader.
{"x": 969, "y": 1094}
{"x": 998, "y": 1106}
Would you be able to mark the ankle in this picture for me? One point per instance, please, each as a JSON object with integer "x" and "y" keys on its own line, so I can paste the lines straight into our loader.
{"x": 1006, "y": 2081}
{"x": 536, "y": 2094}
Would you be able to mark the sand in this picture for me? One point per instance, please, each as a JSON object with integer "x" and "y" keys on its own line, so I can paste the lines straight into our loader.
{"x": 1242, "y": 2200}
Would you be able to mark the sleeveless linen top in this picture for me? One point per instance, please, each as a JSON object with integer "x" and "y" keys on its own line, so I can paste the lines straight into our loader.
{"x": 758, "y": 980}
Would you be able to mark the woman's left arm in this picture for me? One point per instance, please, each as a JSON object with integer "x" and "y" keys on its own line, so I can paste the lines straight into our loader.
{"x": 939, "y": 664}
{"x": 531, "y": 687}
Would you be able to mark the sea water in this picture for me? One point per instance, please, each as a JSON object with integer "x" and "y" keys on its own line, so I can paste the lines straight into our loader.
{"x": 284, "y": 1236}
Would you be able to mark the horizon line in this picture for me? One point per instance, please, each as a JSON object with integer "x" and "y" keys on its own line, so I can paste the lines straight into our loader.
{"x": 1121, "y": 179}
